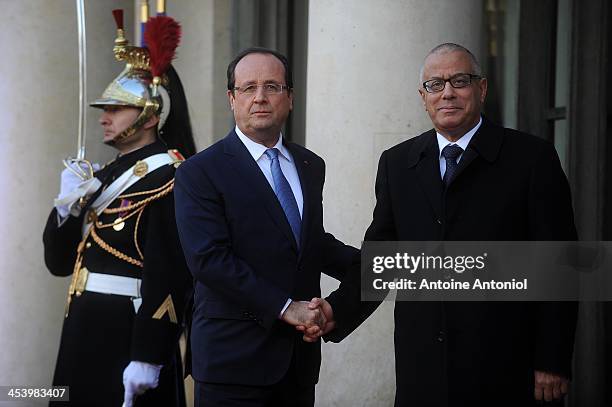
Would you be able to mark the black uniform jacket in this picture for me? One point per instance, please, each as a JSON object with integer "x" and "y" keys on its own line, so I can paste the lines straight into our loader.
{"x": 509, "y": 187}
{"x": 102, "y": 332}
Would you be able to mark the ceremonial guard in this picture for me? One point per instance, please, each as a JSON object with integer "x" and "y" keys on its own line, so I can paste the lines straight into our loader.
{"x": 114, "y": 231}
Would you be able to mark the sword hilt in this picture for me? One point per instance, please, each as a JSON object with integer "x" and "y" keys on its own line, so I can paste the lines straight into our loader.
{"x": 76, "y": 166}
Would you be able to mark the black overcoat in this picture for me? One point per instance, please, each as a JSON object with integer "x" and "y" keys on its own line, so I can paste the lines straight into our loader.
{"x": 509, "y": 187}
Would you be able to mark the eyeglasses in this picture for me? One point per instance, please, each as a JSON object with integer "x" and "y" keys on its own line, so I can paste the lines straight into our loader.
{"x": 461, "y": 80}
{"x": 268, "y": 88}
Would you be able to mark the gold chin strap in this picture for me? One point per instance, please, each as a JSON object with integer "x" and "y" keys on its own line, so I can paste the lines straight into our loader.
{"x": 150, "y": 109}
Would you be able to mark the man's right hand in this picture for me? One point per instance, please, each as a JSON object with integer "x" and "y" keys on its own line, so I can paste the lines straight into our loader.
{"x": 138, "y": 377}
{"x": 549, "y": 386}
{"x": 70, "y": 183}
{"x": 69, "y": 180}
{"x": 301, "y": 313}
{"x": 312, "y": 334}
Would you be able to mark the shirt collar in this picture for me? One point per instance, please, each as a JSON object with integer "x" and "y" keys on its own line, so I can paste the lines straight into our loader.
{"x": 462, "y": 142}
{"x": 257, "y": 150}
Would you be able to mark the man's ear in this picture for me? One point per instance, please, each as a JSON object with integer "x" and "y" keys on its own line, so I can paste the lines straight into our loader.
{"x": 151, "y": 123}
{"x": 231, "y": 98}
{"x": 483, "y": 85}
{"x": 423, "y": 95}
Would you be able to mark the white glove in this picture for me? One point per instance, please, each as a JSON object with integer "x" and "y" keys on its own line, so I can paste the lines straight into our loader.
{"x": 72, "y": 189}
{"x": 139, "y": 377}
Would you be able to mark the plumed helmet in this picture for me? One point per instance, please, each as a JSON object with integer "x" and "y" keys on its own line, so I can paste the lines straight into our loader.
{"x": 141, "y": 83}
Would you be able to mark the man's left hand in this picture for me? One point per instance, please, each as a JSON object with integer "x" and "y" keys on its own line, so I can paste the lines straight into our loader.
{"x": 139, "y": 377}
{"x": 549, "y": 386}
{"x": 313, "y": 334}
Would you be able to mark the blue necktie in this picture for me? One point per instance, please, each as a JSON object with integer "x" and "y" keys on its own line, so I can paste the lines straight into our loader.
{"x": 285, "y": 196}
{"x": 451, "y": 152}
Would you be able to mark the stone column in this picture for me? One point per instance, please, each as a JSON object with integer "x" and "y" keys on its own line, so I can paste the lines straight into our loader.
{"x": 363, "y": 65}
{"x": 39, "y": 115}
{"x": 202, "y": 57}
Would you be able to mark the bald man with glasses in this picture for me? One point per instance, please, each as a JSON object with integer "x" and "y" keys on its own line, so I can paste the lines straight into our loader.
{"x": 468, "y": 179}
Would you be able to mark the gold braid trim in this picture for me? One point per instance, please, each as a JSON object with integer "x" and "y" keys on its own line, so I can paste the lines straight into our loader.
{"x": 101, "y": 225}
{"x": 138, "y": 208}
{"x": 159, "y": 192}
{"x": 72, "y": 289}
{"x": 136, "y": 233}
{"x": 108, "y": 248}
{"x": 151, "y": 191}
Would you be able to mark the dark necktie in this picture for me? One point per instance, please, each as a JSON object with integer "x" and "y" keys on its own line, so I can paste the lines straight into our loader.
{"x": 285, "y": 196}
{"x": 450, "y": 153}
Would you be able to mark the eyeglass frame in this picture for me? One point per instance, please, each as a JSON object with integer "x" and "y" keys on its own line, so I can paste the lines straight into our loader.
{"x": 240, "y": 90}
{"x": 469, "y": 75}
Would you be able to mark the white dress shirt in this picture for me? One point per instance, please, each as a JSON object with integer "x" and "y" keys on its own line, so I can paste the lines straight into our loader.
{"x": 287, "y": 165}
{"x": 462, "y": 142}
{"x": 285, "y": 159}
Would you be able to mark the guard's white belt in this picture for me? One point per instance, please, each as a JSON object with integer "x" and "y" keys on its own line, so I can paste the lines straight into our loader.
{"x": 110, "y": 284}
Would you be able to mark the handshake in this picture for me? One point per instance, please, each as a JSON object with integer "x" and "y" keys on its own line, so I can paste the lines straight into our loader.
{"x": 314, "y": 318}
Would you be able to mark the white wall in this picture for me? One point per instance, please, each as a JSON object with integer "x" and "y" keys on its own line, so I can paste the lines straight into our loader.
{"x": 194, "y": 63}
{"x": 39, "y": 113}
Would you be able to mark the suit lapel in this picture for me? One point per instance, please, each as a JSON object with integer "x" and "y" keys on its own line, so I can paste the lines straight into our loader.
{"x": 468, "y": 156}
{"x": 250, "y": 173}
{"x": 427, "y": 161}
{"x": 304, "y": 171}
{"x": 486, "y": 143}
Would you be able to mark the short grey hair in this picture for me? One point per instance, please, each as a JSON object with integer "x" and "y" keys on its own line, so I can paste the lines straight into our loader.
{"x": 451, "y": 47}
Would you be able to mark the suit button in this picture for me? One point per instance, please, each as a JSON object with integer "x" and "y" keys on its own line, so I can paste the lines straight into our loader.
{"x": 440, "y": 337}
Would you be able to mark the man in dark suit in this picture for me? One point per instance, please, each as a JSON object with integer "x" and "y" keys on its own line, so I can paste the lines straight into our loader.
{"x": 468, "y": 179}
{"x": 250, "y": 219}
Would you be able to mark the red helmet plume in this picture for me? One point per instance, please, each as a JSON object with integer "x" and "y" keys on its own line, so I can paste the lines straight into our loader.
{"x": 162, "y": 36}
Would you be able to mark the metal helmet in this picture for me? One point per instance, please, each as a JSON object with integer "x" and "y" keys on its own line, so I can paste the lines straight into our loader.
{"x": 140, "y": 84}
